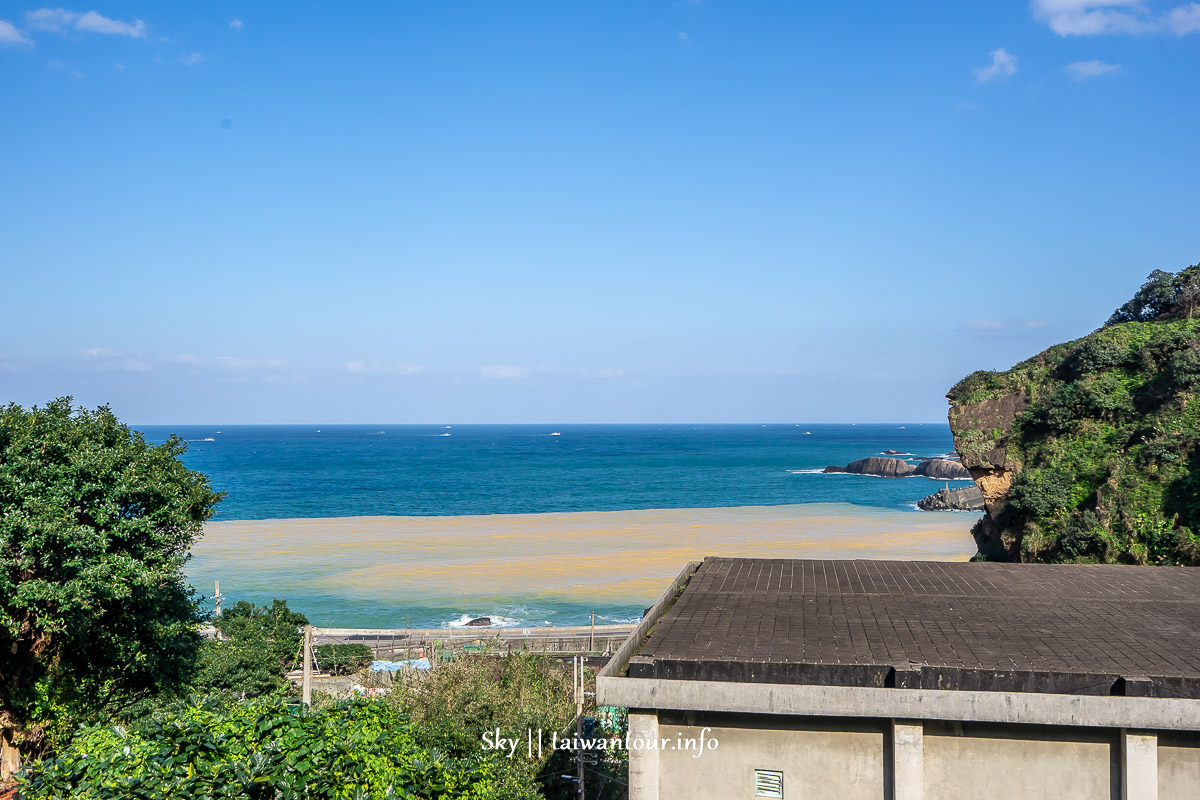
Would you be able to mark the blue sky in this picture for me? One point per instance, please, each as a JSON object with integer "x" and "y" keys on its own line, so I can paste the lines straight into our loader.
{"x": 606, "y": 212}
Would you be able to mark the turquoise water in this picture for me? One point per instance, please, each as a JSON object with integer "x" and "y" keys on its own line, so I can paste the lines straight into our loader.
{"x": 271, "y": 472}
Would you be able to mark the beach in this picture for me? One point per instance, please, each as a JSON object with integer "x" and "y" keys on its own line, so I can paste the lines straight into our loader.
{"x": 535, "y": 568}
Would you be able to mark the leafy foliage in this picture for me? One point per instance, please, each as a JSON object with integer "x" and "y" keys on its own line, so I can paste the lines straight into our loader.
{"x": 457, "y": 703}
{"x": 1163, "y": 295}
{"x": 1109, "y": 449}
{"x": 259, "y": 645}
{"x": 262, "y": 749}
{"x": 95, "y": 527}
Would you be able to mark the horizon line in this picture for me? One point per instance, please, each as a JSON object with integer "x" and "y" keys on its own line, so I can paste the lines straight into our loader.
{"x": 481, "y": 424}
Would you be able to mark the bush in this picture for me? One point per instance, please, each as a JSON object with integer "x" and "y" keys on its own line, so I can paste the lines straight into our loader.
{"x": 1085, "y": 540}
{"x": 1041, "y": 493}
{"x": 262, "y": 749}
{"x": 979, "y": 385}
{"x": 1095, "y": 354}
{"x": 240, "y": 667}
{"x": 455, "y": 704}
{"x": 261, "y": 644}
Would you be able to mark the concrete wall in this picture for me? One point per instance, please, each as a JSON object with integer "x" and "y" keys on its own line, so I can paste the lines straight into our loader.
{"x": 849, "y": 758}
{"x": 988, "y": 762}
{"x": 820, "y": 760}
{"x": 1178, "y": 767}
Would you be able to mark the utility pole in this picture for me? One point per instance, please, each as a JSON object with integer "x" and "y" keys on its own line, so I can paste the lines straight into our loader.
{"x": 592, "y": 637}
{"x": 579, "y": 726}
{"x": 306, "y": 691}
{"x": 217, "y": 597}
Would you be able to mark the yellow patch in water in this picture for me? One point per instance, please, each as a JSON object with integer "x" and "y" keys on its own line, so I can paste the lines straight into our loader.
{"x": 599, "y": 556}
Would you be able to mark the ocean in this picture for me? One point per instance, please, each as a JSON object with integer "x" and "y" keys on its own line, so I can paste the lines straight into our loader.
{"x": 275, "y": 472}
{"x": 431, "y": 525}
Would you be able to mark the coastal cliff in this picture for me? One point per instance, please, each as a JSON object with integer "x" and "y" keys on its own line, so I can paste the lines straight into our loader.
{"x": 1090, "y": 451}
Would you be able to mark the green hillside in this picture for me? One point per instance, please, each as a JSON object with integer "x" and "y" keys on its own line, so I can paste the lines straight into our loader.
{"x": 1090, "y": 451}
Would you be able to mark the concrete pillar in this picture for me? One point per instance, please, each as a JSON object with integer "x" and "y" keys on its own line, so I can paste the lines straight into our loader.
{"x": 908, "y": 760}
{"x": 643, "y": 762}
{"x": 1139, "y": 765}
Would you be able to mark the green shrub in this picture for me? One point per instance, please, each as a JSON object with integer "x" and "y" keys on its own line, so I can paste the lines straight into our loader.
{"x": 262, "y": 749}
{"x": 978, "y": 386}
{"x": 1095, "y": 354}
{"x": 261, "y": 644}
{"x": 1041, "y": 493}
{"x": 455, "y": 704}
{"x": 1085, "y": 540}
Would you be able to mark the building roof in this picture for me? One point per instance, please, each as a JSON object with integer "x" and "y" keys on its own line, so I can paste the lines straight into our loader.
{"x": 1087, "y": 629}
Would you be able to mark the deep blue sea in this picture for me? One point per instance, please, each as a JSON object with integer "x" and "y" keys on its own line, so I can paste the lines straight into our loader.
{"x": 289, "y": 471}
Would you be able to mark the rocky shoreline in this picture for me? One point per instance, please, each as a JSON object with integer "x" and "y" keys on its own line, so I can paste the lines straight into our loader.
{"x": 893, "y": 464}
{"x": 888, "y": 467}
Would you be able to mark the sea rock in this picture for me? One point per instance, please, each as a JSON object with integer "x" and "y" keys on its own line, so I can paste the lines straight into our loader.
{"x": 480, "y": 622}
{"x": 942, "y": 469}
{"x": 890, "y": 452}
{"x": 877, "y": 465}
{"x": 967, "y": 498}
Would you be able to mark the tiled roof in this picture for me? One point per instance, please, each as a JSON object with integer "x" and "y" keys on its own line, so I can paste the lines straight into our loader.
{"x": 1090, "y": 629}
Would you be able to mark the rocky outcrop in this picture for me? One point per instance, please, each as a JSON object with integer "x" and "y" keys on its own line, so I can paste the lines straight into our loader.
{"x": 876, "y": 465}
{"x": 480, "y": 622}
{"x": 943, "y": 469}
{"x": 940, "y": 468}
{"x": 966, "y": 498}
{"x": 981, "y": 431}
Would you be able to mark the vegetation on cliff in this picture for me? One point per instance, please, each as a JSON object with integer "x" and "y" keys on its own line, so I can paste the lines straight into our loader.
{"x": 1090, "y": 451}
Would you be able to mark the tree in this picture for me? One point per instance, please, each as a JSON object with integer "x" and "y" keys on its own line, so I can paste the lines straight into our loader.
{"x": 1164, "y": 294}
{"x": 95, "y": 613}
{"x": 260, "y": 644}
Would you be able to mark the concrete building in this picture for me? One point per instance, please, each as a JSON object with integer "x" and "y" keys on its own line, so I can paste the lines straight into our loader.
{"x": 907, "y": 680}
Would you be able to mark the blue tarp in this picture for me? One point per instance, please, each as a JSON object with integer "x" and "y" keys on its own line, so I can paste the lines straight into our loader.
{"x": 396, "y": 666}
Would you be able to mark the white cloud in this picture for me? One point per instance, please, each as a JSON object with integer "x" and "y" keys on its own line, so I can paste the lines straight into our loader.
{"x": 1082, "y": 70}
{"x": 50, "y": 19}
{"x": 98, "y": 23}
{"x": 985, "y": 324}
{"x": 1004, "y": 65}
{"x": 1091, "y": 17}
{"x": 112, "y": 359}
{"x": 683, "y": 37}
{"x": 376, "y": 368}
{"x": 1182, "y": 20}
{"x": 503, "y": 372}
{"x": 10, "y": 36}
{"x": 236, "y": 24}
{"x": 1097, "y": 17}
{"x": 190, "y": 59}
{"x": 60, "y": 20}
